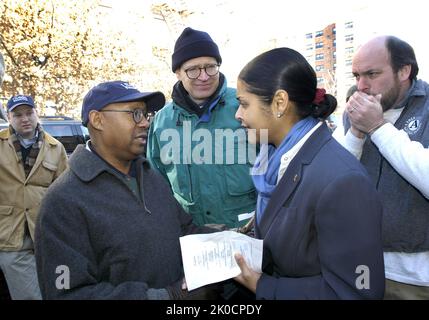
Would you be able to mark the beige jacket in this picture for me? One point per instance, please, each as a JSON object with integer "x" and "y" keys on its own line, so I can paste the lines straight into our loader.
{"x": 20, "y": 197}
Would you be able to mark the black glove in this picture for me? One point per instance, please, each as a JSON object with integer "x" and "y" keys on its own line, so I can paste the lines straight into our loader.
{"x": 208, "y": 292}
{"x": 248, "y": 228}
{"x": 176, "y": 292}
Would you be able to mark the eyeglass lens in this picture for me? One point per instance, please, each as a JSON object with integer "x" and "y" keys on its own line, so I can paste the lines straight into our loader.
{"x": 194, "y": 72}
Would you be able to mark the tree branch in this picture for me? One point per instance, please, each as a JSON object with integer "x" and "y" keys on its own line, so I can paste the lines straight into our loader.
{"x": 9, "y": 53}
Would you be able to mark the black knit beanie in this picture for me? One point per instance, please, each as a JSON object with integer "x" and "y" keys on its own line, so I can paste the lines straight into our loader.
{"x": 193, "y": 44}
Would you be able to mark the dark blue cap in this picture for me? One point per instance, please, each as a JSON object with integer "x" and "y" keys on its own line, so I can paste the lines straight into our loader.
{"x": 115, "y": 92}
{"x": 193, "y": 44}
{"x": 20, "y": 100}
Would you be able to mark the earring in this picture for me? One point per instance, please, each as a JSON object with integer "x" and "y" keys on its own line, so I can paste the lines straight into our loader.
{"x": 279, "y": 115}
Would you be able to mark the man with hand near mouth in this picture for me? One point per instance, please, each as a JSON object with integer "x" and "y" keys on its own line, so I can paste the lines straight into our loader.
{"x": 387, "y": 128}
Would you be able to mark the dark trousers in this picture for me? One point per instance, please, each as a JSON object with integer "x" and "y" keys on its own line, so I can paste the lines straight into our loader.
{"x": 4, "y": 291}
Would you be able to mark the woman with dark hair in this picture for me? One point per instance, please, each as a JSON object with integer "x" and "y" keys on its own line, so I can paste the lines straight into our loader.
{"x": 317, "y": 212}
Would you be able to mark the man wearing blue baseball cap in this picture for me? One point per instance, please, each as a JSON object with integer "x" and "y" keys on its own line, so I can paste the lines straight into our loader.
{"x": 110, "y": 228}
{"x": 30, "y": 161}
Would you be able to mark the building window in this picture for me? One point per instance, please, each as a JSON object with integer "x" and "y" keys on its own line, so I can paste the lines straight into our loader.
{"x": 320, "y": 80}
{"x": 348, "y": 62}
{"x": 319, "y": 56}
{"x": 319, "y": 33}
{"x": 335, "y": 43}
{"x": 319, "y": 44}
{"x": 348, "y": 37}
{"x": 309, "y": 36}
{"x": 334, "y": 30}
{"x": 348, "y": 25}
{"x": 349, "y": 75}
{"x": 349, "y": 50}
{"x": 320, "y": 67}
{"x": 334, "y": 54}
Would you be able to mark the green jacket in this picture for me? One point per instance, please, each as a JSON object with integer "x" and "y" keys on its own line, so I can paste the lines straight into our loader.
{"x": 209, "y": 176}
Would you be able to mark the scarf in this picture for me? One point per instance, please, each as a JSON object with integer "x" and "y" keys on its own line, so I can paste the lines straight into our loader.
{"x": 30, "y": 159}
{"x": 267, "y": 164}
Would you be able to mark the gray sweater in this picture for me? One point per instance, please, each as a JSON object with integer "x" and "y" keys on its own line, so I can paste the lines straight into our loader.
{"x": 114, "y": 245}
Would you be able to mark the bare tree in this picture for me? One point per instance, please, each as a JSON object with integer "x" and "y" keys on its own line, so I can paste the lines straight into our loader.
{"x": 55, "y": 50}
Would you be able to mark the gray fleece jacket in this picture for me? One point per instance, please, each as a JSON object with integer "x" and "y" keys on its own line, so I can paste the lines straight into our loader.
{"x": 95, "y": 239}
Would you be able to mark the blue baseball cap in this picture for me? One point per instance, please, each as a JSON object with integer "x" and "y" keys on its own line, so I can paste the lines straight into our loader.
{"x": 20, "y": 100}
{"x": 110, "y": 92}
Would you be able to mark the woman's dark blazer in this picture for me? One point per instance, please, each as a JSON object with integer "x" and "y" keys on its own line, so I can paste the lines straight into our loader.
{"x": 322, "y": 228}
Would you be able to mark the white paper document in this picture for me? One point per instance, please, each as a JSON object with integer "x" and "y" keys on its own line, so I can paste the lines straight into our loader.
{"x": 209, "y": 258}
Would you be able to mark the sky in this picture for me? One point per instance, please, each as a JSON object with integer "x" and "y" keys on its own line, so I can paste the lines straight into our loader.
{"x": 241, "y": 27}
{"x": 255, "y": 22}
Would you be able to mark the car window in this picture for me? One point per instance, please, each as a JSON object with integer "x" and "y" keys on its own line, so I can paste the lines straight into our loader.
{"x": 66, "y": 131}
{"x": 58, "y": 130}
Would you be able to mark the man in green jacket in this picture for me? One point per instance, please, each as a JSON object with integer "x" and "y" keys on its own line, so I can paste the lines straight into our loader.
{"x": 195, "y": 141}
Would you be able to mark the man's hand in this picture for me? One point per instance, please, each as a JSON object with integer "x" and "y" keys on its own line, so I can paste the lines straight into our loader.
{"x": 365, "y": 113}
{"x": 248, "y": 277}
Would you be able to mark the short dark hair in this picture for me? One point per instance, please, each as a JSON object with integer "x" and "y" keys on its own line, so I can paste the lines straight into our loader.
{"x": 286, "y": 69}
{"x": 350, "y": 92}
{"x": 402, "y": 54}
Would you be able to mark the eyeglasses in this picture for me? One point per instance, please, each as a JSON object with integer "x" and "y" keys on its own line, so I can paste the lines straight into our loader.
{"x": 138, "y": 114}
{"x": 194, "y": 72}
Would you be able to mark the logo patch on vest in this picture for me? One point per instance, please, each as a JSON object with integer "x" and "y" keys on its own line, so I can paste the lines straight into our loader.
{"x": 412, "y": 125}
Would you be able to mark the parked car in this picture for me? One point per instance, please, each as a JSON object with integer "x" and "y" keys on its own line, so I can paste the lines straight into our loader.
{"x": 68, "y": 131}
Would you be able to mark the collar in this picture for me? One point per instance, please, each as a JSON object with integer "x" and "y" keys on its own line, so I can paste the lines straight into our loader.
{"x": 131, "y": 173}
{"x": 291, "y": 178}
{"x": 288, "y": 156}
{"x": 407, "y": 96}
{"x": 181, "y": 98}
{"x": 416, "y": 89}
{"x": 5, "y": 134}
{"x": 319, "y": 137}
{"x": 26, "y": 143}
{"x": 87, "y": 164}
